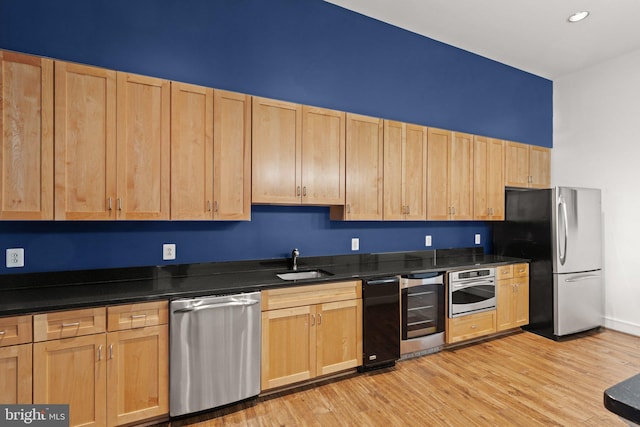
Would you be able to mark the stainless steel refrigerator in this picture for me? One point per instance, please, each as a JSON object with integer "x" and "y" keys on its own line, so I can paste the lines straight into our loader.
{"x": 559, "y": 231}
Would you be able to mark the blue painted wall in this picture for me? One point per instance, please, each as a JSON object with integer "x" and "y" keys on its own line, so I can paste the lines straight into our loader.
{"x": 305, "y": 51}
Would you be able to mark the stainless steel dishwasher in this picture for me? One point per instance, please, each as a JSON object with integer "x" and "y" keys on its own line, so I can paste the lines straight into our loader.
{"x": 215, "y": 351}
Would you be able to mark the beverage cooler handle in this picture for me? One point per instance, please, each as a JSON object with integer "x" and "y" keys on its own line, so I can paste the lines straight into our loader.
{"x": 562, "y": 209}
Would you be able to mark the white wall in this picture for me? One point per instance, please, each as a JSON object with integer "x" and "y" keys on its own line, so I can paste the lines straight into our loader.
{"x": 597, "y": 144}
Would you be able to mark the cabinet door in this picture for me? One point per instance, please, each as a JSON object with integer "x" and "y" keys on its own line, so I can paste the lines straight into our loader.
{"x": 364, "y": 168}
{"x": 15, "y": 374}
{"x": 438, "y": 147}
{"x": 323, "y": 156}
{"x": 288, "y": 346}
{"x": 394, "y": 138}
{"x": 26, "y": 137}
{"x": 521, "y": 301}
{"x": 191, "y": 151}
{"x": 276, "y": 152}
{"x": 461, "y": 176}
{"x": 338, "y": 336}
{"x": 72, "y": 371}
{"x": 85, "y": 142}
{"x": 415, "y": 172}
{"x": 505, "y": 310}
{"x": 539, "y": 167}
{"x": 516, "y": 164}
{"x": 137, "y": 374}
{"x": 143, "y": 147}
{"x": 495, "y": 178}
{"x": 488, "y": 182}
{"x": 231, "y": 156}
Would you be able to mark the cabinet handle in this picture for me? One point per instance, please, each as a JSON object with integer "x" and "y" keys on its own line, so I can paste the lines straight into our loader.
{"x": 3, "y": 332}
{"x": 138, "y": 316}
{"x": 474, "y": 326}
{"x": 69, "y": 325}
{"x": 304, "y": 191}
{"x": 320, "y": 319}
{"x": 110, "y": 351}
{"x": 119, "y": 203}
{"x": 215, "y": 206}
{"x": 109, "y": 204}
{"x": 348, "y": 208}
{"x": 100, "y": 352}
{"x": 208, "y": 205}
{"x": 298, "y": 190}
{"x": 313, "y": 320}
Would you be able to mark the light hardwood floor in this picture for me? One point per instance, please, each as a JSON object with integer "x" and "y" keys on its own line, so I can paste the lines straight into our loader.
{"x": 517, "y": 380}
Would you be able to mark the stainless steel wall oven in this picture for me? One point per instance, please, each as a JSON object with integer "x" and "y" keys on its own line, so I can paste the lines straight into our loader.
{"x": 472, "y": 291}
{"x": 422, "y": 311}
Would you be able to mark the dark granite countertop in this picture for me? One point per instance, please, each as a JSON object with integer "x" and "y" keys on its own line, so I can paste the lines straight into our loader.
{"x": 623, "y": 399}
{"x": 37, "y": 292}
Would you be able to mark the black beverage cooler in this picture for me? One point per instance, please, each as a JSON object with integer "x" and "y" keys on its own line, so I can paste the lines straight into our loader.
{"x": 380, "y": 322}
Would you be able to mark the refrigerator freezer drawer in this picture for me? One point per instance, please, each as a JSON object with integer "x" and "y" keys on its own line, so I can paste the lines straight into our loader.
{"x": 578, "y": 302}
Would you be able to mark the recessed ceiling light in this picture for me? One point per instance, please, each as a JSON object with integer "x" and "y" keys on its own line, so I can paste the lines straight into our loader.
{"x": 578, "y": 16}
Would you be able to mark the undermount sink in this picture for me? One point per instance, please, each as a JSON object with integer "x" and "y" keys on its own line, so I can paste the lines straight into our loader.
{"x": 302, "y": 275}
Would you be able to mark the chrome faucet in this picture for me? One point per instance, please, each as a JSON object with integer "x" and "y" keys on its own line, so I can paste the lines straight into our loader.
{"x": 294, "y": 259}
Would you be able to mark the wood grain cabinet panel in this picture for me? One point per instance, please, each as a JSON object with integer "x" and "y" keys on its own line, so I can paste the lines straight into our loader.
{"x": 512, "y": 296}
{"x": 73, "y": 371}
{"x": 137, "y": 374}
{"x": 303, "y": 337}
{"x": 85, "y": 142}
{"x": 140, "y": 315}
{"x": 191, "y": 152}
{"x": 15, "y": 330}
{"x": 143, "y": 147}
{"x": 298, "y": 154}
{"x": 231, "y": 156}
{"x": 364, "y": 176}
{"x": 405, "y": 169}
{"x": 67, "y": 324}
{"x": 26, "y": 137}
{"x": 16, "y": 374}
{"x": 461, "y": 177}
{"x": 527, "y": 166}
{"x": 470, "y": 326}
{"x": 488, "y": 182}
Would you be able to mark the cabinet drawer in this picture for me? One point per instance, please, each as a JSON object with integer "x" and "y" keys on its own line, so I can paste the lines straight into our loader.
{"x": 521, "y": 270}
{"x": 66, "y": 324}
{"x": 15, "y": 330}
{"x": 311, "y": 294}
{"x": 504, "y": 272}
{"x": 471, "y": 326}
{"x": 131, "y": 316}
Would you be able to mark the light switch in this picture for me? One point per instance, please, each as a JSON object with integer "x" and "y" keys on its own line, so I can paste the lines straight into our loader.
{"x": 427, "y": 240}
{"x": 355, "y": 244}
{"x": 477, "y": 240}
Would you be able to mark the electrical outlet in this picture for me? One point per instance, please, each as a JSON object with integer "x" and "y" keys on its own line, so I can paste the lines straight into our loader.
{"x": 427, "y": 240}
{"x": 15, "y": 257}
{"x": 355, "y": 244}
{"x": 477, "y": 239}
{"x": 168, "y": 251}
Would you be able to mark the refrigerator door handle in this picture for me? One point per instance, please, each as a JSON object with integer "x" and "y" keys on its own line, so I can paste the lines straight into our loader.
{"x": 562, "y": 209}
{"x": 580, "y": 278}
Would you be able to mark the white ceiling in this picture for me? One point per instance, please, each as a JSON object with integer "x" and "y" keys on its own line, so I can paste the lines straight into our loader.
{"x": 532, "y": 35}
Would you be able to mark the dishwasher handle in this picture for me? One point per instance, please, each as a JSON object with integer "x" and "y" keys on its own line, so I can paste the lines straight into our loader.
{"x": 243, "y": 303}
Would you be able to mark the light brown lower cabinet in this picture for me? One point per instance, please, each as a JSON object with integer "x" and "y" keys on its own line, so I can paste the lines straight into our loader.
{"x": 16, "y": 352}
{"x": 108, "y": 378}
{"x": 310, "y": 331}
{"x": 512, "y": 302}
{"x": 470, "y": 326}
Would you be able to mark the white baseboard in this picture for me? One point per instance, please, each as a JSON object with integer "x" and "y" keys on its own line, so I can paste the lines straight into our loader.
{"x": 622, "y": 326}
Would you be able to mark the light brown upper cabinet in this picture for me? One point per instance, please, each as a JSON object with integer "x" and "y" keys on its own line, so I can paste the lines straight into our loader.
{"x": 449, "y": 175}
{"x": 364, "y": 177}
{"x": 26, "y": 137}
{"x": 231, "y": 156}
{"x": 191, "y": 151}
{"x": 405, "y": 171}
{"x": 298, "y": 154}
{"x": 527, "y": 165}
{"x": 488, "y": 182}
{"x": 105, "y": 170}
{"x": 143, "y": 147}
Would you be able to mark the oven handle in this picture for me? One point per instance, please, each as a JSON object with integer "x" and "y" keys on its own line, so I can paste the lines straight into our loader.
{"x": 463, "y": 285}
{"x": 406, "y": 282}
